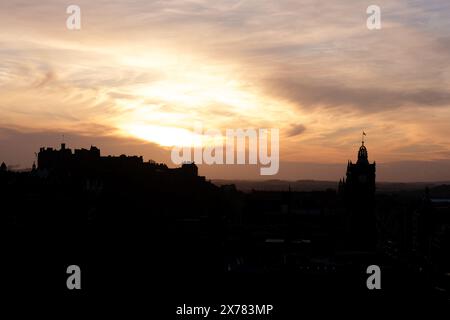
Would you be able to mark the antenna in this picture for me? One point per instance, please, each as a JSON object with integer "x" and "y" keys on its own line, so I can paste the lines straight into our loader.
{"x": 63, "y": 143}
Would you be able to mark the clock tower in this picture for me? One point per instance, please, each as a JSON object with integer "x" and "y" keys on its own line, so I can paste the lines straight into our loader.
{"x": 360, "y": 177}
{"x": 358, "y": 189}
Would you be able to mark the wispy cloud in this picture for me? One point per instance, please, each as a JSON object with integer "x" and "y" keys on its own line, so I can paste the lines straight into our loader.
{"x": 242, "y": 63}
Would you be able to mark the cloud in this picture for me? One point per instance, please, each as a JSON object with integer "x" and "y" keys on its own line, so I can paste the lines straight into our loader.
{"x": 49, "y": 77}
{"x": 295, "y": 130}
{"x": 368, "y": 99}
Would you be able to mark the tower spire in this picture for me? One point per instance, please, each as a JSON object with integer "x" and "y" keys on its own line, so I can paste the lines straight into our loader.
{"x": 362, "y": 153}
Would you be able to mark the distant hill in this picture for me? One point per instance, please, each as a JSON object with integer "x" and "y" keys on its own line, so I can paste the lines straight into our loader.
{"x": 438, "y": 189}
{"x": 279, "y": 185}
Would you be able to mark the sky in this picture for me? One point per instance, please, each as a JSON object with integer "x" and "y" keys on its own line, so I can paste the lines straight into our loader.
{"x": 139, "y": 74}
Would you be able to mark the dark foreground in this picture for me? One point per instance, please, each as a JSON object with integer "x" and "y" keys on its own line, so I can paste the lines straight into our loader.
{"x": 159, "y": 243}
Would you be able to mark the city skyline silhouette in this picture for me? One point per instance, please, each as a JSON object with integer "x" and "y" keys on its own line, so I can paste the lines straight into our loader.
{"x": 146, "y": 218}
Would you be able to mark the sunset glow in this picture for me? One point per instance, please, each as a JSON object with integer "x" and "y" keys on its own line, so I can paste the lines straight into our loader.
{"x": 148, "y": 72}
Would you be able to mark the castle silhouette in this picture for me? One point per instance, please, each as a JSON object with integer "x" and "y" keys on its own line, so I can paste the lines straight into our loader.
{"x": 90, "y": 160}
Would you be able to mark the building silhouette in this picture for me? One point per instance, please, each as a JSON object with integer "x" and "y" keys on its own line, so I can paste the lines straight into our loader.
{"x": 358, "y": 190}
{"x": 89, "y": 161}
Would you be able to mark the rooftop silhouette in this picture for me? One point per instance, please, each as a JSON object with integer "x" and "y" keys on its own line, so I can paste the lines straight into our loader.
{"x": 90, "y": 160}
